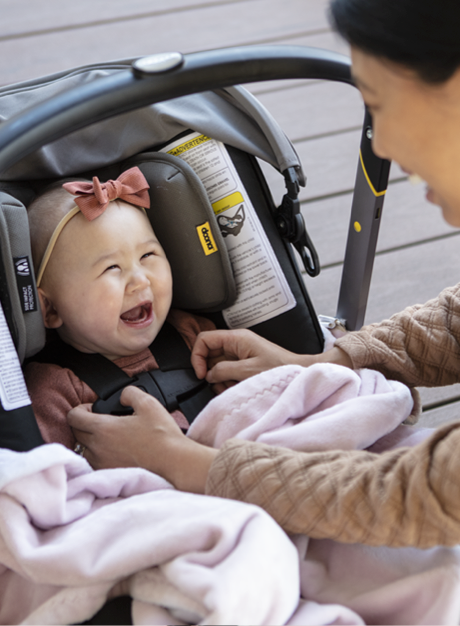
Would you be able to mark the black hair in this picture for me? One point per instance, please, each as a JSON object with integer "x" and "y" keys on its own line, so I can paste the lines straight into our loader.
{"x": 423, "y": 35}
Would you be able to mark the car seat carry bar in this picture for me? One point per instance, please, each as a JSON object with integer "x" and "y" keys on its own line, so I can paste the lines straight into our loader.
{"x": 126, "y": 91}
{"x": 174, "y": 385}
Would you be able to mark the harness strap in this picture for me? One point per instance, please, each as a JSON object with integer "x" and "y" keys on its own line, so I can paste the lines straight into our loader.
{"x": 174, "y": 385}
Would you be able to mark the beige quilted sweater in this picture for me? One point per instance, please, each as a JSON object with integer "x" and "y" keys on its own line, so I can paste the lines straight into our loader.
{"x": 404, "y": 497}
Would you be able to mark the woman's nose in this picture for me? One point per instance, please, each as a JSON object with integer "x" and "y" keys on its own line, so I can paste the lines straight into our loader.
{"x": 378, "y": 146}
{"x": 378, "y": 149}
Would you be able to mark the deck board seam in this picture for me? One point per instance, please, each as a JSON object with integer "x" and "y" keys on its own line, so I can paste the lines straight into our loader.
{"x": 406, "y": 246}
{"x": 344, "y": 192}
{"x": 115, "y": 20}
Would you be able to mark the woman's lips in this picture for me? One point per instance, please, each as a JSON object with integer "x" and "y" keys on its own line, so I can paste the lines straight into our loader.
{"x": 139, "y": 316}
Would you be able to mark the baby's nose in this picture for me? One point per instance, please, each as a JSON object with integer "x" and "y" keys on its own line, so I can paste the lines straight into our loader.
{"x": 138, "y": 280}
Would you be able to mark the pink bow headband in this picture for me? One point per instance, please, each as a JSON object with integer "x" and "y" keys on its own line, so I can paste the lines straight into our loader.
{"x": 93, "y": 199}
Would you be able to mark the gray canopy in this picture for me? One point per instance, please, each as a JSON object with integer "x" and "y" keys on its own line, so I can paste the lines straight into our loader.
{"x": 231, "y": 115}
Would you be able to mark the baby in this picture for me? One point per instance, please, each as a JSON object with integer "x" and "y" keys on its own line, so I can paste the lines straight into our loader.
{"x": 104, "y": 285}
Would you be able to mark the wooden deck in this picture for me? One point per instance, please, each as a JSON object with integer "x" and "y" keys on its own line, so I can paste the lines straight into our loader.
{"x": 418, "y": 254}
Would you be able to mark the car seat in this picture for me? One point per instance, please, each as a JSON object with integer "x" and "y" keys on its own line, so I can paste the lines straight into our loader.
{"x": 145, "y": 112}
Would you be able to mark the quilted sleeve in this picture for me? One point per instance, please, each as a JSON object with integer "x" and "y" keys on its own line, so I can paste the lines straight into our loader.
{"x": 403, "y": 497}
{"x": 419, "y": 346}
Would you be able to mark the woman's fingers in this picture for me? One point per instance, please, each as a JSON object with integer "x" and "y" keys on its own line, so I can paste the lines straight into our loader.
{"x": 124, "y": 440}
{"x": 139, "y": 400}
{"x": 209, "y": 345}
{"x": 217, "y": 346}
{"x": 229, "y": 371}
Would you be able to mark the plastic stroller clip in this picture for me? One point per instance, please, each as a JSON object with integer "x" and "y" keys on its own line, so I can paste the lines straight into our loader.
{"x": 291, "y": 224}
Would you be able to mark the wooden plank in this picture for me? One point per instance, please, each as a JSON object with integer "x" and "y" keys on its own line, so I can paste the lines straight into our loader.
{"x": 408, "y": 276}
{"x": 437, "y": 417}
{"x": 22, "y": 18}
{"x": 254, "y": 21}
{"x": 314, "y": 109}
{"x": 407, "y": 218}
{"x": 432, "y": 396}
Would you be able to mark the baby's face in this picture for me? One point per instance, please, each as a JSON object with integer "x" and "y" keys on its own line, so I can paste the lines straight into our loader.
{"x": 108, "y": 286}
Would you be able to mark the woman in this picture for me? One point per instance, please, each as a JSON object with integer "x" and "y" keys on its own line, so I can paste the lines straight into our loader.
{"x": 406, "y": 63}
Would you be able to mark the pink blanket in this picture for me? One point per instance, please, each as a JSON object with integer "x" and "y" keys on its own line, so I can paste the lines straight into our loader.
{"x": 322, "y": 407}
{"x": 329, "y": 407}
{"x": 71, "y": 537}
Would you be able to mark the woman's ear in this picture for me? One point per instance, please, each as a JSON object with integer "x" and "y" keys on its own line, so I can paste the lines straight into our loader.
{"x": 49, "y": 313}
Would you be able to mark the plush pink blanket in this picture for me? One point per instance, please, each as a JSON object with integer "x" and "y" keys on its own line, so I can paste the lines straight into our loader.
{"x": 322, "y": 407}
{"x": 326, "y": 407}
{"x": 71, "y": 537}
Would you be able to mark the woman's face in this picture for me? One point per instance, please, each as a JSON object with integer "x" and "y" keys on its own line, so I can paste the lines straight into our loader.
{"x": 415, "y": 124}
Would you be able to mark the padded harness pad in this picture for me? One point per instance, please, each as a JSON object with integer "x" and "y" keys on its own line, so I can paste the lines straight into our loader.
{"x": 184, "y": 222}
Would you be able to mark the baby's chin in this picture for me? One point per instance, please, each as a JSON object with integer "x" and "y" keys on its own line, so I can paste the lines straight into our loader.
{"x": 113, "y": 353}
{"x": 123, "y": 353}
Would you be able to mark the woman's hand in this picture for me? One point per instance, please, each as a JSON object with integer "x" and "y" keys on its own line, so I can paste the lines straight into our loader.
{"x": 224, "y": 357}
{"x": 150, "y": 438}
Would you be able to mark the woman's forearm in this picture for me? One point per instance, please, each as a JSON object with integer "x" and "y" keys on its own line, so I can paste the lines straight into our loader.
{"x": 404, "y": 497}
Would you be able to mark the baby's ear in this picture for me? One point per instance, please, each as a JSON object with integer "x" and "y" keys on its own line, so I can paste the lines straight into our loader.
{"x": 49, "y": 313}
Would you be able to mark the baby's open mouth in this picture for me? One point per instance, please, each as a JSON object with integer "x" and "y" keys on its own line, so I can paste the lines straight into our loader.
{"x": 138, "y": 314}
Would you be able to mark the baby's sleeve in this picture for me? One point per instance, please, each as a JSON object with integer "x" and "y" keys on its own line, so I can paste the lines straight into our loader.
{"x": 54, "y": 391}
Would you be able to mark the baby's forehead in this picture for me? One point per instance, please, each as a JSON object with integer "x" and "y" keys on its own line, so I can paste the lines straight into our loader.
{"x": 118, "y": 219}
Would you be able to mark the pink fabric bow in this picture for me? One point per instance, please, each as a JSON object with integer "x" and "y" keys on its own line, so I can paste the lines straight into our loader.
{"x": 131, "y": 186}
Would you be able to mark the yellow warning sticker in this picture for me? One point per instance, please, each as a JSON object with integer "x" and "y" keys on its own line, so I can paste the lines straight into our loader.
{"x": 207, "y": 240}
{"x": 188, "y": 145}
{"x": 227, "y": 203}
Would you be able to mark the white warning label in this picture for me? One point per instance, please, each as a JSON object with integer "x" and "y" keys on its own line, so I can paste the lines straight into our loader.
{"x": 263, "y": 291}
{"x": 13, "y": 390}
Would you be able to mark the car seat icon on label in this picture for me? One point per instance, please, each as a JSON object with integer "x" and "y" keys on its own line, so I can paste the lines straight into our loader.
{"x": 231, "y": 225}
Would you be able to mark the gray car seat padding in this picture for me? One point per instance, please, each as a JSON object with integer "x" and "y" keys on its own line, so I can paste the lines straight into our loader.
{"x": 202, "y": 278}
{"x": 230, "y": 115}
{"x": 29, "y": 330}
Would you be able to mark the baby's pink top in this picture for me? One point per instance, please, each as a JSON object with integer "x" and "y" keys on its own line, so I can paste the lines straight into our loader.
{"x": 55, "y": 390}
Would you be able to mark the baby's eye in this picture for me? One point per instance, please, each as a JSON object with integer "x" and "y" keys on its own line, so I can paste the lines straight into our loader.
{"x": 147, "y": 254}
{"x": 111, "y": 267}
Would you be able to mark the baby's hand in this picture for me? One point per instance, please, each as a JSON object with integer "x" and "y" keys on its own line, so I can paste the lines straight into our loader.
{"x": 149, "y": 438}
